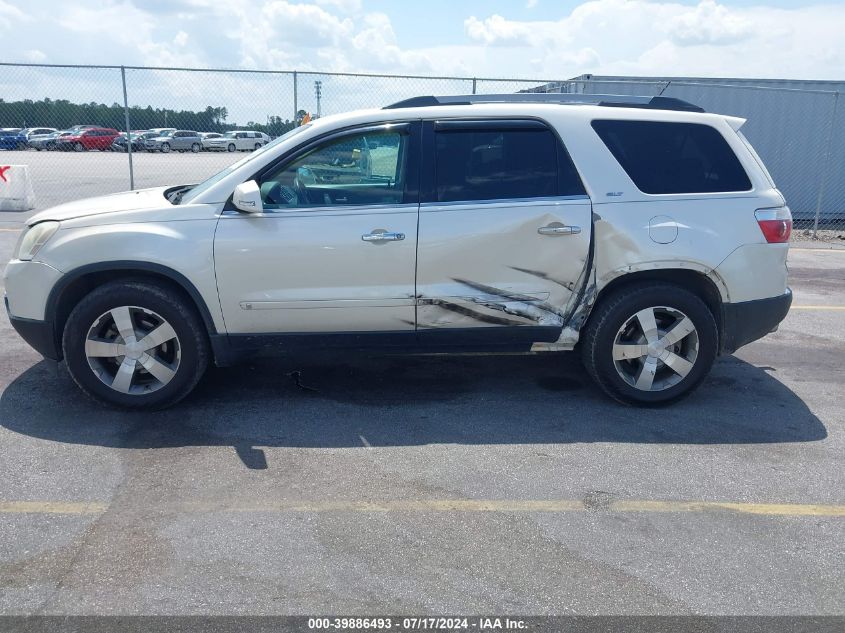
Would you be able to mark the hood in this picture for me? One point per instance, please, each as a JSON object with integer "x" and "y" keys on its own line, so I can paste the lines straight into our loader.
{"x": 114, "y": 203}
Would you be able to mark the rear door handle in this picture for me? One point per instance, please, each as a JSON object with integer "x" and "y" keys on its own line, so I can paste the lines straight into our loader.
{"x": 559, "y": 229}
{"x": 379, "y": 236}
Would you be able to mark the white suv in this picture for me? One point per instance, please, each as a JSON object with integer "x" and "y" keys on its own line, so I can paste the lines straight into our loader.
{"x": 237, "y": 141}
{"x": 643, "y": 231}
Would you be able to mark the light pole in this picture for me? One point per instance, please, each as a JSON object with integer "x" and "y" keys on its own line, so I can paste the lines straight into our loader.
{"x": 318, "y": 91}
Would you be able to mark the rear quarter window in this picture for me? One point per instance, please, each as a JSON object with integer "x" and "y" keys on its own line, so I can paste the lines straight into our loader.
{"x": 666, "y": 157}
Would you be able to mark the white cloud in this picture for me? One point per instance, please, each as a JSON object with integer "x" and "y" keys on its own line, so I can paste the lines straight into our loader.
{"x": 598, "y": 36}
{"x": 34, "y": 55}
{"x": 347, "y": 6}
{"x": 9, "y": 14}
{"x": 649, "y": 37}
{"x": 530, "y": 4}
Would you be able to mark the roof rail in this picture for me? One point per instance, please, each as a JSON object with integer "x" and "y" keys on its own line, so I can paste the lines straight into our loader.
{"x": 618, "y": 101}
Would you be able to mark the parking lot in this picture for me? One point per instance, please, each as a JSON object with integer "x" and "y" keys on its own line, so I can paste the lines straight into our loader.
{"x": 478, "y": 484}
{"x": 63, "y": 176}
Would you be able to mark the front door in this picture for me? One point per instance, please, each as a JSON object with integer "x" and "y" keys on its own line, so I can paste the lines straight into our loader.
{"x": 504, "y": 233}
{"x": 335, "y": 248}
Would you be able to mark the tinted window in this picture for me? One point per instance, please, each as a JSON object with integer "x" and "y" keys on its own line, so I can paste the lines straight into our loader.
{"x": 358, "y": 169}
{"x": 673, "y": 157}
{"x": 489, "y": 164}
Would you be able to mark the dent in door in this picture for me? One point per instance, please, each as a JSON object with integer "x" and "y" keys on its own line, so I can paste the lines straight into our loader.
{"x": 536, "y": 295}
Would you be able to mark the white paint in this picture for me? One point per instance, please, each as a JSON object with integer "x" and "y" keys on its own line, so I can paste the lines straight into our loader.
{"x": 16, "y": 192}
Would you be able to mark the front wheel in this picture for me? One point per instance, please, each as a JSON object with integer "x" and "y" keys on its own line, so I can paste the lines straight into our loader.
{"x": 165, "y": 148}
{"x": 135, "y": 345}
{"x": 195, "y": 148}
{"x": 650, "y": 343}
{"x": 78, "y": 147}
{"x": 231, "y": 147}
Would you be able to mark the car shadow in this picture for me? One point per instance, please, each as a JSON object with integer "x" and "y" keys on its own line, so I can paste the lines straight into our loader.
{"x": 400, "y": 401}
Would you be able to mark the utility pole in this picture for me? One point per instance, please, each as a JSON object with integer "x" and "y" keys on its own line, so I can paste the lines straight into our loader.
{"x": 318, "y": 91}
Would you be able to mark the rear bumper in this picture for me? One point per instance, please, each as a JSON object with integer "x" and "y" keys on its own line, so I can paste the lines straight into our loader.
{"x": 40, "y": 335}
{"x": 748, "y": 321}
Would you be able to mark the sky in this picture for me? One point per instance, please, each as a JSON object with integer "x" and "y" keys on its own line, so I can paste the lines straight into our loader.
{"x": 544, "y": 39}
{"x": 517, "y": 39}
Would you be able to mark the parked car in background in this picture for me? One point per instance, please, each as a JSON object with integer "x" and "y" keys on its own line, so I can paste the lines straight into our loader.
{"x": 48, "y": 142}
{"x": 88, "y": 139}
{"x": 161, "y": 131}
{"x": 178, "y": 141}
{"x": 12, "y": 138}
{"x": 238, "y": 140}
{"x": 137, "y": 138}
{"x": 207, "y": 136}
{"x": 38, "y": 131}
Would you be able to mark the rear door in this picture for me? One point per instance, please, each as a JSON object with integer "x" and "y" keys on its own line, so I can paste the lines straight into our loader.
{"x": 504, "y": 233}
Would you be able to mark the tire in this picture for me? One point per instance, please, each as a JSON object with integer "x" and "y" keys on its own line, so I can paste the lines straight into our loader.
{"x": 258, "y": 146}
{"x": 626, "y": 359}
{"x": 231, "y": 147}
{"x": 20, "y": 146}
{"x": 195, "y": 148}
{"x": 92, "y": 346}
{"x": 165, "y": 148}
{"x": 78, "y": 147}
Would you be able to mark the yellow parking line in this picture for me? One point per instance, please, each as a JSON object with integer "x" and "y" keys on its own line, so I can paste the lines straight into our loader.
{"x": 439, "y": 506}
{"x": 817, "y": 308}
{"x": 52, "y": 507}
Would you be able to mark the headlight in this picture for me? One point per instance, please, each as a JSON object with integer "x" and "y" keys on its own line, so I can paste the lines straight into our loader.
{"x": 34, "y": 238}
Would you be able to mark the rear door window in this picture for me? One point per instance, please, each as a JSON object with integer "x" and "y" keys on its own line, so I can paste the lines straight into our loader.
{"x": 666, "y": 158}
{"x": 478, "y": 161}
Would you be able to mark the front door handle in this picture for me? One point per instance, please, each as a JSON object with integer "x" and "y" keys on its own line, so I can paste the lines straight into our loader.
{"x": 559, "y": 229}
{"x": 379, "y": 236}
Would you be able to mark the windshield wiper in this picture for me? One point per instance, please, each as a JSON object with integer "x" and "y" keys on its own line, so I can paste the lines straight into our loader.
{"x": 175, "y": 195}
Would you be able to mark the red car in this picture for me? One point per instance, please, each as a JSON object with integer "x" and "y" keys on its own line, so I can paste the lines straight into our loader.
{"x": 100, "y": 138}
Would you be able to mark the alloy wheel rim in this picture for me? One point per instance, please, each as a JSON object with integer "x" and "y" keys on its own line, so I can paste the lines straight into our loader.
{"x": 656, "y": 348}
{"x": 133, "y": 350}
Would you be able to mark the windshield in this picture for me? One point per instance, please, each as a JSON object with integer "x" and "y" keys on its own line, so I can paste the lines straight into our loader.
{"x": 192, "y": 193}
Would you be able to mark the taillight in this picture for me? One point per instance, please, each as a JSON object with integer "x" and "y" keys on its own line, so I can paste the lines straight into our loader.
{"x": 776, "y": 224}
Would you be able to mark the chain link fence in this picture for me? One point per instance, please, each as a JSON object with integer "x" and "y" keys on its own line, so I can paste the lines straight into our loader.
{"x": 800, "y": 134}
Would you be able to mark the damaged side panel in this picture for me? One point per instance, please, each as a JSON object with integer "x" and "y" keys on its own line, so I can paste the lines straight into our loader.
{"x": 489, "y": 264}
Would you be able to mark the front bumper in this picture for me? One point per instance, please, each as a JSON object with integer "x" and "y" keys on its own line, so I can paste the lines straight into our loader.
{"x": 41, "y": 335}
{"x": 748, "y": 321}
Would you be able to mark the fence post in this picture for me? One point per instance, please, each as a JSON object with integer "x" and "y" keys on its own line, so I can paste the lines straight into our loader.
{"x": 128, "y": 129}
{"x": 473, "y": 85}
{"x": 826, "y": 165}
{"x": 295, "y": 103}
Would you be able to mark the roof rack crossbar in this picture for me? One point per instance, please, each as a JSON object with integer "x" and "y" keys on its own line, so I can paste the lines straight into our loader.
{"x": 618, "y": 101}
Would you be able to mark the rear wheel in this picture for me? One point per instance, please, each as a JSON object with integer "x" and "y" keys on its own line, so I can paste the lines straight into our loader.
{"x": 78, "y": 147}
{"x": 650, "y": 343}
{"x": 135, "y": 345}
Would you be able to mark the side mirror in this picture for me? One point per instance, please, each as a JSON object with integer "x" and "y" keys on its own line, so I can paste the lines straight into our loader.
{"x": 247, "y": 197}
